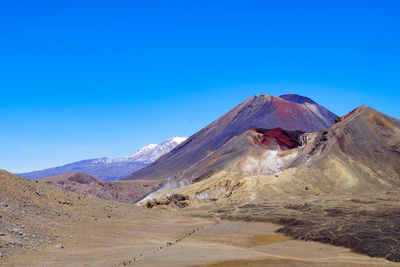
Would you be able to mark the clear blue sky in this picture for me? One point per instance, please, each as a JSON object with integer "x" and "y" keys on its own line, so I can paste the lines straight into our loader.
{"x": 86, "y": 79}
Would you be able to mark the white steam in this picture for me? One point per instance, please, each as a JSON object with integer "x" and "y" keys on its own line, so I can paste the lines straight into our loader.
{"x": 168, "y": 185}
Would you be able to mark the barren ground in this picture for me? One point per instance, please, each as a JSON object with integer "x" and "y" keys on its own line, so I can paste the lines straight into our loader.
{"x": 117, "y": 241}
{"x": 43, "y": 225}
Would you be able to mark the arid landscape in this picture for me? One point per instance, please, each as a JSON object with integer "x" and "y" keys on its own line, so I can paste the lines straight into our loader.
{"x": 264, "y": 197}
{"x": 68, "y": 230}
{"x": 199, "y": 133}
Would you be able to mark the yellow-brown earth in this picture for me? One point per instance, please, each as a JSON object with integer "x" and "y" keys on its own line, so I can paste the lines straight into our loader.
{"x": 60, "y": 228}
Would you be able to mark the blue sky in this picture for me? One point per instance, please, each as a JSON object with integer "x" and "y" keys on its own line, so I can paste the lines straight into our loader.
{"x": 86, "y": 79}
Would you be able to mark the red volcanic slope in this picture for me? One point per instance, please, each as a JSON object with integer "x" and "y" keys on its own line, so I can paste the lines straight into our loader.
{"x": 288, "y": 112}
{"x": 233, "y": 154}
{"x": 281, "y": 137}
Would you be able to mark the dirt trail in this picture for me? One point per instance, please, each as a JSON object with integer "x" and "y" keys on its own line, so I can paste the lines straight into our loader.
{"x": 142, "y": 256}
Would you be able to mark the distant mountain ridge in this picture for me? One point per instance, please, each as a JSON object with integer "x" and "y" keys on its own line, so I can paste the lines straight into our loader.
{"x": 83, "y": 184}
{"x": 109, "y": 169}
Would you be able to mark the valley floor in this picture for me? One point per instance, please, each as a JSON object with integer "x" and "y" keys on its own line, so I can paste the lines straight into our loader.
{"x": 144, "y": 241}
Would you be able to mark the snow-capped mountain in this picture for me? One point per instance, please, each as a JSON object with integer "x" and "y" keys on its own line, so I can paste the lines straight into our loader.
{"x": 151, "y": 152}
{"x": 109, "y": 169}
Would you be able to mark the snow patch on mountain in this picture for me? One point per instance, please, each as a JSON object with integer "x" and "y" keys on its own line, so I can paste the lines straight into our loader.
{"x": 149, "y": 153}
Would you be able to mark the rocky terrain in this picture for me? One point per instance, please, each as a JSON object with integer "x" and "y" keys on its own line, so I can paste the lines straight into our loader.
{"x": 289, "y": 112}
{"x": 44, "y": 225}
{"x": 110, "y": 169}
{"x": 336, "y": 186}
{"x": 34, "y": 214}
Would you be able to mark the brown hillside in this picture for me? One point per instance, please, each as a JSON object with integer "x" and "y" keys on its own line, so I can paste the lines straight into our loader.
{"x": 122, "y": 191}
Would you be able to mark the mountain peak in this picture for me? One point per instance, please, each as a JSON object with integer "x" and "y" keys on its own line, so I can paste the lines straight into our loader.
{"x": 289, "y": 112}
{"x": 297, "y": 99}
{"x": 152, "y": 152}
{"x": 178, "y": 139}
{"x": 111, "y": 168}
{"x": 174, "y": 140}
{"x": 354, "y": 112}
{"x": 261, "y": 97}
